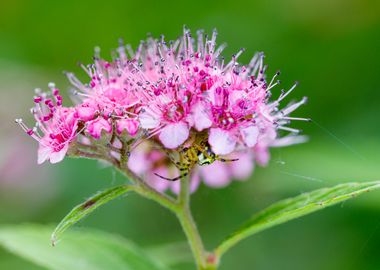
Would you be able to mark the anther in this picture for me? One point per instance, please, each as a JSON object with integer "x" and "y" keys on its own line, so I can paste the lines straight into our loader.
{"x": 51, "y": 85}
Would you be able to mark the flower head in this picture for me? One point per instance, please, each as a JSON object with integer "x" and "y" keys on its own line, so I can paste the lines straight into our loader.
{"x": 107, "y": 99}
{"x": 56, "y": 126}
{"x": 180, "y": 102}
{"x": 187, "y": 88}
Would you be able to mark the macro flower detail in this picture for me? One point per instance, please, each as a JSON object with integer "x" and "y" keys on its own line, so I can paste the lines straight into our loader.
{"x": 131, "y": 126}
{"x": 181, "y": 98}
{"x": 56, "y": 126}
{"x": 97, "y": 126}
{"x": 171, "y": 117}
{"x": 146, "y": 161}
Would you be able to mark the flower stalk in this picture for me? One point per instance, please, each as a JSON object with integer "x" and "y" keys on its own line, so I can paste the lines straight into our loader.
{"x": 188, "y": 224}
{"x": 181, "y": 208}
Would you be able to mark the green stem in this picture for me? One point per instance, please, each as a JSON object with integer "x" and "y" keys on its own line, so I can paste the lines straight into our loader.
{"x": 192, "y": 234}
{"x": 182, "y": 210}
{"x": 140, "y": 186}
{"x": 184, "y": 194}
{"x": 181, "y": 207}
{"x": 188, "y": 225}
{"x": 148, "y": 192}
{"x": 210, "y": 267}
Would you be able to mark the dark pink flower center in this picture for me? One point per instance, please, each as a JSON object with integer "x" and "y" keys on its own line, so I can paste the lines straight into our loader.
{"x": 174, "y": 112}
{"x": 58, "y": 141}
{"x": 223, "y": 119}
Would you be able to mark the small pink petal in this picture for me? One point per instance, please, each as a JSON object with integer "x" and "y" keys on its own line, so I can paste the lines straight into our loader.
{"x": 242, "y": 169}
{"x": 216, "y": 174}
{"x": 194, "y": 183}
{"x": 262, "y": 155}
{"x": 221, "y": 141}
{"x": 200, "y": 117}
{"x": 156, "y": 182}
{"x": 117, "y": 143}
{"x": 147, "y": 120}
{"x": 43, "y": 153}
{"x": 250, "y": 135}
{"x": 56, "y": 157}
{"x": 138, "y": 162}
{"x": 115, "y": 94}
{"x": 195, "y": 180}
{"x": 173, "y": 135}
{"x": 176, "y": 186}
{"x": 85, "y": 113}
{"x": 96, "y": 127}
{"x": 115, "y": 154}
{"x": 130, "y": 125}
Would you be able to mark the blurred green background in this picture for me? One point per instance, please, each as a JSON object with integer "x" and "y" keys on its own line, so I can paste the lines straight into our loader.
{"x": 331, "y": 46}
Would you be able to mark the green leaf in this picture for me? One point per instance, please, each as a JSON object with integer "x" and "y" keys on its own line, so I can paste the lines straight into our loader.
{"x": 84, "y": 250}
{"x": 172, "y": 253}
{"x": 293, "y": 208}
{"x": 83, "y": 209}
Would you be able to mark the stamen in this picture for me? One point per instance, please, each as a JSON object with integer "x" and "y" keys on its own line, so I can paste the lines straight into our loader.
{"x": 297, "y": 119}
{"x": 284, "y": 95}
{"x": 293, "y": 107}
{"x": 293, "y": 130}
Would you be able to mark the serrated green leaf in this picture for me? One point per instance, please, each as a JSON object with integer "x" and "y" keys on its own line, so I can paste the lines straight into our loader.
{"x": 296, "y": 207}
{"x": 84, "y": 250}
{"x": 84, "y": 209}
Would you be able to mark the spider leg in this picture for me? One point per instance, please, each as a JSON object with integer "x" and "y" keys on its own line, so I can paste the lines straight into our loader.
{"x": 172, "y": 179}
{"x": 183, "y": 167}
{"x": 226, "y": 160}
{"x": 171, "y": 158}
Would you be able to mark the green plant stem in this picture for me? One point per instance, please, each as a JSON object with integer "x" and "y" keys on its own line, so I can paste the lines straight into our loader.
{"x": 150, "y": 193}
{"x": 188, "y": 225}
{"x": 181, "y": 207}
{"x": 210, "y": 267}
{"x": 182, "y": 210}
{"x": 184, "y": 194}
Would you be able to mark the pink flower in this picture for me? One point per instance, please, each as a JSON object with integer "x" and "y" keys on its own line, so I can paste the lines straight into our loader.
{"x": 107, "y": 99}
{"x": 129, "y": 125}
{"x": 57, "y": 124}
{"x": 176, "y": 96}
{"x": 174, "y": 79}
{"x": 97, "y": 126}
{"x": 176, "y": 89}
{"x": 86, "y": 111}
{"x": 167, "y": 113}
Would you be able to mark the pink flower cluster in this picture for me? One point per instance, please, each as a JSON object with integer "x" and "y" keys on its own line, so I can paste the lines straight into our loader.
{"x": 163, "y": 93}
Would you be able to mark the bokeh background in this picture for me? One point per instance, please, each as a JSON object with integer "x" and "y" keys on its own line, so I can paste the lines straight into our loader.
{"x": 332, "y": 47}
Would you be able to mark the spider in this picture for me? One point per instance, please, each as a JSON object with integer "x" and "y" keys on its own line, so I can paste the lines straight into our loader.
{"x": 198, "y": 153}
